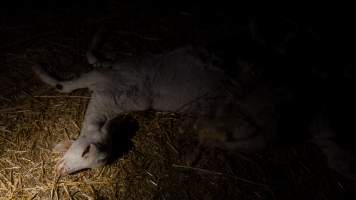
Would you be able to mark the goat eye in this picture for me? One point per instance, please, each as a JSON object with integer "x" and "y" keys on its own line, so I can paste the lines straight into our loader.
{"x": 86, "y": 150}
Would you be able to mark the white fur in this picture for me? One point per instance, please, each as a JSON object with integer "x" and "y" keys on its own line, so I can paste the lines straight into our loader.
{"x": 178, "y": 81}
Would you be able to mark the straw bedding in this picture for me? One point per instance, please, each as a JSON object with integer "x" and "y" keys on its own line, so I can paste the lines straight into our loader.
{"x": 161, "y": 163}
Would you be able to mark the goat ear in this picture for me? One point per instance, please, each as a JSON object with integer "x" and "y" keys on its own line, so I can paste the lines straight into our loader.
{"x": 62, "y": 146}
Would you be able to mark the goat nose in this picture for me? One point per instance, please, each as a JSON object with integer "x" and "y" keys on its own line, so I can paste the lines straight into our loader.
{"x": 61, "y": 168}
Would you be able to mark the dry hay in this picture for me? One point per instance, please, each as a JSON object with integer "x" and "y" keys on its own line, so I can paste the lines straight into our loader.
{"x": 34, "y": 117}
{"x": 163, "y": 163}
{"x": 30, "y": 131}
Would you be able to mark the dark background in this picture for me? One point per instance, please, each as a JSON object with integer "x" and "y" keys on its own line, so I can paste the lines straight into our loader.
{"x": 317, "y": 65}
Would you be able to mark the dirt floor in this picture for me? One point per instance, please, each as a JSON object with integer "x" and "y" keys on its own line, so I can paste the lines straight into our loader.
{"x": 157, "y": 164}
